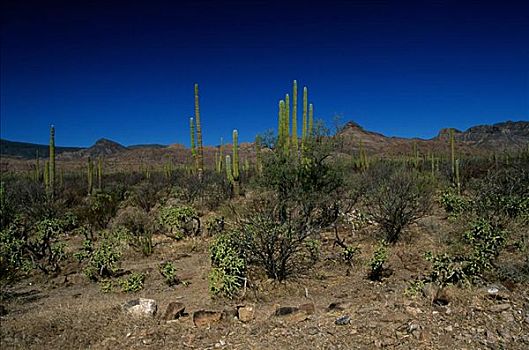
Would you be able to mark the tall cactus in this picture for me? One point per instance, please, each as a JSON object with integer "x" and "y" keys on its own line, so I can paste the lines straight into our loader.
{"x": 52, "y": 161}
{"x": 457, "y": 178}
{"x": 219, "y": 157}
{"x": 200, "y": 150}
{"x": 193, "y": 144}
{"x": 281, "y": 132}
{"x": 304, "y": 124}
{"x": 453, "y": 152}
{"x": 90, "y": 176}
{"x": 236, "y": 155}
{"x": 295, "y": 117}
{"x": 311, "y": 120}
{"x": 287, "y": 122}
{"x": 229, "y": 172}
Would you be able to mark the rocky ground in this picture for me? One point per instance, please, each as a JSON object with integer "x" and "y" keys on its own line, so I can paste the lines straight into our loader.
{"x": 334, "y": 306}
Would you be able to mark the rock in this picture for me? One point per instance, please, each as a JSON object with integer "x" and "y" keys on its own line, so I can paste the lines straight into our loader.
{"x": 141, "y": 307}
{"x": 500, "y": 307}
{"x": 343, "y": 320}
{"x": 246, "y": 313}
{"x": 174, "y": 311}
{"x": 449, "y": 328}
{"x": 204, "y": 318}
{"x": 495, "y": 292}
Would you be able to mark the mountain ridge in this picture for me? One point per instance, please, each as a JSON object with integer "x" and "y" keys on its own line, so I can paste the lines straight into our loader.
{"x": 478, "y": 138}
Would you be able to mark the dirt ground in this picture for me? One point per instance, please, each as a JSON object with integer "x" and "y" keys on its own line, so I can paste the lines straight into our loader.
{"x": 69, "y": 312}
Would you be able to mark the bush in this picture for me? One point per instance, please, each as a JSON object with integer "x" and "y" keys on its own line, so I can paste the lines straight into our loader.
{"x": 133, "y": 283}
{"x": 179, "y": 221}
{"x": 485, "y": 242}
{"x": 13, "y": 257}
{"x": 139, "y": 228}
{"x": 502, "y": 195}
{"x": 97, "y": 211}
{"x": 377, "y": 262}
{"x": 228, "y": 270}
{"x": 168, "y": 271}
{"x": 396, "y": 198}
{"x": 104, "y": 259}
{"x": 454, "y": 204}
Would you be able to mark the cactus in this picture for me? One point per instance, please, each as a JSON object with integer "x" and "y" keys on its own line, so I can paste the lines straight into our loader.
{"x": 304, "y": 125}
{"x": 453, "y": 152}
{"x": 235, "y": 155}
{"x": 52, "y": 162}
{"x": 229, "y": 173}
{"x": 99, "y": 173}
{"x": 281, "y": 124}
{"x": 457, "y": 179}
{"x": 311, "y": 120}
{"x": 193, "y": 146}
{"x": 295, "y": 117}
{"x": 200, "y": 150}
{"x": 90, "y": 175}
{"x": 219, "y": 157}
{"x": 286, "y": 120}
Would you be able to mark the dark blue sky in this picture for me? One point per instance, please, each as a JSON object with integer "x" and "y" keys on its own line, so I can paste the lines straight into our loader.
{"x": 125, "y": 70}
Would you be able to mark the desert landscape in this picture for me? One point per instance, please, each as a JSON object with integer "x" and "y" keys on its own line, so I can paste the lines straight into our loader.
{"x": 264, "y": 175}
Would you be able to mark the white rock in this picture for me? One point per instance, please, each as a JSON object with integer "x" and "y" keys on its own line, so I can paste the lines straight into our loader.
{"x": 141, "y": 307}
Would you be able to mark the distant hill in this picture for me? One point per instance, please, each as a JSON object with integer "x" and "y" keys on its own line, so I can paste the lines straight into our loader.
{"x": 26, "y": 150}
{"x": 478, "y": 139}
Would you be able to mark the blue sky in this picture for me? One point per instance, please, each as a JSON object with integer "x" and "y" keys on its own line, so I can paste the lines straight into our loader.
{"x": 126, "y": 71}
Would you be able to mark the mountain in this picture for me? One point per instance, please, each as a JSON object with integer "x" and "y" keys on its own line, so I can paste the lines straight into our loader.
{"x": 478, "y": 139}
{"x": 27, "y": 150}
{"x": 496, "y": 136}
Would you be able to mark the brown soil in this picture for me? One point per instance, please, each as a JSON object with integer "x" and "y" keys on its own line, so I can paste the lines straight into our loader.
{"x": 69, "y": 312}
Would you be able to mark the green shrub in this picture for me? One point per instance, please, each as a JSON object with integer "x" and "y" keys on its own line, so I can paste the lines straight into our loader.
{"x": 13, "y": 257}
{"x": 138, "y": 227}
{"x": 228, "y": 270}
{"x": 376, "y": 264}
{"x": 45, "y": 249}
{"x": 179, "y": 222}
{"x": 133, "y": 283}
{"x": 106, "y": 286}
{"x": 104, "y": 260}
{"x": 486, "y": 241}
{"x": 168, "y": 271}
{"x": 453, "y": 203}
